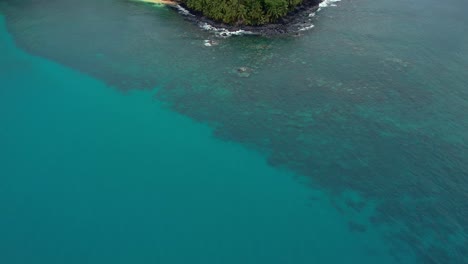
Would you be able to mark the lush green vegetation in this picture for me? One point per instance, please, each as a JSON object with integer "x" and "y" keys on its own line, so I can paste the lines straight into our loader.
{"x": 245, "y": 12}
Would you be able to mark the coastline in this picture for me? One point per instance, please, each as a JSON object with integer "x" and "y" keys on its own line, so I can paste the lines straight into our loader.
{"x": 293, "y": 23}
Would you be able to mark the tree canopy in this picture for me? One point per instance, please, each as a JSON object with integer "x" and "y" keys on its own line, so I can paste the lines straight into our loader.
{"x": 243, "y": 12}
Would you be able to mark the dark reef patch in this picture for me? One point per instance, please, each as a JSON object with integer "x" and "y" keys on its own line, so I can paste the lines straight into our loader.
{"x": 356, "y": 227}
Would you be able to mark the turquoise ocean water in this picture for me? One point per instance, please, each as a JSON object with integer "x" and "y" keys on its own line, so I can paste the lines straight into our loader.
{"x": 92, "y": 175}
{"x": 123, "y": 139}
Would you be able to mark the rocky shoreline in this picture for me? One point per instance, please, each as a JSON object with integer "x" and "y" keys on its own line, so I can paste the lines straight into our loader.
{"x": 292, "y": 24}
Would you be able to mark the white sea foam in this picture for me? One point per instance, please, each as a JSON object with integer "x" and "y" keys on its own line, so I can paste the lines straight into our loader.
{"x": 223, "y": 32}
{"x": 207, "y": 43}
{"x": 210, "y": 42}
{"x": 183, "y": 11}
{"x": 306, "y": 27}
{"x": 327, "y": 3}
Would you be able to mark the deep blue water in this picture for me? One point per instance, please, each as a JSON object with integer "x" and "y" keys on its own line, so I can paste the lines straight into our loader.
{"x": 123, "y": 139}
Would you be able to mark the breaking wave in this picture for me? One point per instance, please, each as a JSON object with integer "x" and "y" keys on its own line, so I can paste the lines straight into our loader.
{"x": 183, "y": 11}
{"x": 223, "y": 32}
{"x": 327, "y": 3}
{"x": 323, "y": 4}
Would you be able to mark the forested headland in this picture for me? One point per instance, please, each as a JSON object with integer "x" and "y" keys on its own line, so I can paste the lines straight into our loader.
{"x": 243, "y": 12}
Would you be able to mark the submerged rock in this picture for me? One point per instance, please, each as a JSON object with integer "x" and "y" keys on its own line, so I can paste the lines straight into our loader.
{"x": 244, "y": 71}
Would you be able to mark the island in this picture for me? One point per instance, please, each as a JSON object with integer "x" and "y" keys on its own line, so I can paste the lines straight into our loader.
{"x": 243, "y": 12}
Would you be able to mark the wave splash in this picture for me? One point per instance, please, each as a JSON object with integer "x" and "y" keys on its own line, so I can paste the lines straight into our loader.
{"x": 183, "y": 11}
{"x": 323, "y": 4}
{"x": 223, "y": 32}
{"x": 327, "y": 3}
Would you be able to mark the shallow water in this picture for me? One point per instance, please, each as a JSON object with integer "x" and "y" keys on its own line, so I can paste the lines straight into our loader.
{"x": 362, "y": 121}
